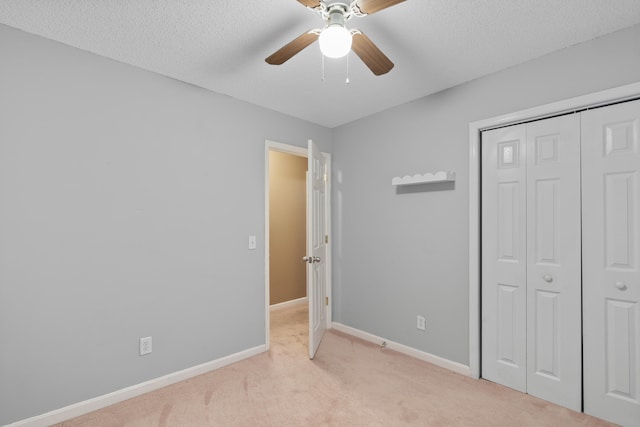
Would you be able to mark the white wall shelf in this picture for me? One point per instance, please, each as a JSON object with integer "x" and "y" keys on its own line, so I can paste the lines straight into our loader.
{"x": 427, "y": 178}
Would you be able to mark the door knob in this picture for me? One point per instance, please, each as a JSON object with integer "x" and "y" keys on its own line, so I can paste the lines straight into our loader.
{"x": 547, "y": 278}
{"x": 316, "y": 259}
{"x": 621, "y": 285}
{"x": 307, "y": 259}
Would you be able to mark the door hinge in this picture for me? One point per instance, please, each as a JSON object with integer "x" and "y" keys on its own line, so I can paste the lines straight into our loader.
{"x": 326, "y": 238}
{"x": 326, "y": 300}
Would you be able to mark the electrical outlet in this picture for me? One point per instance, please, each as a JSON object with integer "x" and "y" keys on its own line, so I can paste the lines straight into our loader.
{"x": 421, "y": 323}
{"x": 145, "y": 346}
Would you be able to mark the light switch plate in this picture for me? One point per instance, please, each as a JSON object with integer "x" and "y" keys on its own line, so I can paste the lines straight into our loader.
{"x": 421, "y": 323}
{"x": 252, "y": 242}
{"x": 146, "y": 346}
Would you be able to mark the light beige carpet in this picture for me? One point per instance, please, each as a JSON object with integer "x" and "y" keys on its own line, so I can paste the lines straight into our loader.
{"x": 350, "y": 383}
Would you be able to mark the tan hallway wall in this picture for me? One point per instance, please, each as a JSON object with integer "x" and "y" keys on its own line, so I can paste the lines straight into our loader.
{"x": 287, "y": 227}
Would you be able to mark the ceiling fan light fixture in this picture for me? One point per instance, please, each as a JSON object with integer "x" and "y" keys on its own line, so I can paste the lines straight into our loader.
{"x": 335, "y": 41}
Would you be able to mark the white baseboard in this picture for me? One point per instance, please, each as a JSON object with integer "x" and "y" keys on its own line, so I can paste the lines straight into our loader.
{"x": 409, "y": 351}
{"x": 81, "y": 408}
{"x": 303, "y": 300}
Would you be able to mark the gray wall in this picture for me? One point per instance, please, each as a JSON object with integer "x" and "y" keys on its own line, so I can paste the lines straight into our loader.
{"x": 399, "y": 255}
{"x": 126, "y": 201}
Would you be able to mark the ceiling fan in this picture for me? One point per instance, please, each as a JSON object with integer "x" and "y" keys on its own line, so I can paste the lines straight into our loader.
{"x": 335, "y": 39}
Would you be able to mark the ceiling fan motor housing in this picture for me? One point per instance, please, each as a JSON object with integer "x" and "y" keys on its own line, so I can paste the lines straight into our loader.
{"x": 336, "y": 14}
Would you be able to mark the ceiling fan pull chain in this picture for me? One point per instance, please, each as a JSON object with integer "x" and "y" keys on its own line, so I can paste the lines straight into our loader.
{"x": 347, "y": 81}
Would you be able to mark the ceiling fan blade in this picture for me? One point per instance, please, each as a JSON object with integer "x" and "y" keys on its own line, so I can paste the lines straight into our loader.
{"x": 292, "y": 48}
{"x": 310, "y": 3}
{"x": 373, "y": 6}
{"x": 371, "y": 55}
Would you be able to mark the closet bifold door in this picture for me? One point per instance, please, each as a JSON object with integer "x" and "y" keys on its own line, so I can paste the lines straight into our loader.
{"x": 504, "y": 257}
{"x": 531, "y": 297}
{"x": 611, "y": 262}
{"x": 554, "y": 339}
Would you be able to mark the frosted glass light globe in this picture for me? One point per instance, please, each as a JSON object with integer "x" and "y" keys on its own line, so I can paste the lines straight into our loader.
{"x": 335, "y": 41}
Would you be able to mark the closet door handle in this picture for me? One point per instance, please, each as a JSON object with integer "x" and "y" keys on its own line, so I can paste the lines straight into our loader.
{"x": 621, "y": 285}
{"x": 547, "y": 278}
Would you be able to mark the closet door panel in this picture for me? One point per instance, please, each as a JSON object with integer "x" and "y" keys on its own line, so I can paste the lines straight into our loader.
{"x": 611, "y": 285}
{"x": 504, "y": 257}
{"x": 554, "y": 370}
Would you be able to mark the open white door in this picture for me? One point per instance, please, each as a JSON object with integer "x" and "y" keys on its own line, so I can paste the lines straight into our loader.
{"x": 317, "y": 237}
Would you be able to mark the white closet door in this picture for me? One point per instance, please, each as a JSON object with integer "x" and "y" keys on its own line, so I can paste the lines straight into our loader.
{"x": 554, "y": 341}
{"x": 611, "y": 257}
{"x": 504, "y": 256}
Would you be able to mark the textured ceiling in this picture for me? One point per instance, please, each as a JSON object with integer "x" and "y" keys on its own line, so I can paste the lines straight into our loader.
{"x": 221, "y": 44}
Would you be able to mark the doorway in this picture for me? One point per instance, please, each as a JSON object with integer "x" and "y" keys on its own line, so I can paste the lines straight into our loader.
{"x": 285, "y": 229}
{"x": 318, "y": 246}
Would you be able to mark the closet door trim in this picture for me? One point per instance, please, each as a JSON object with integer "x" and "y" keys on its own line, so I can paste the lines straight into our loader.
{"x": 597, "y": 99}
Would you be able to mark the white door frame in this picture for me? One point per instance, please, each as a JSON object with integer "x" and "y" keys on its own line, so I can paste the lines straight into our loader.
{"x": 604, "y": 97}
{"x": 301, "y": 152}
